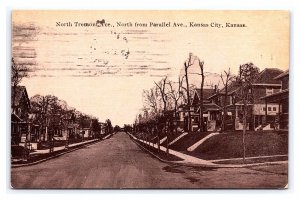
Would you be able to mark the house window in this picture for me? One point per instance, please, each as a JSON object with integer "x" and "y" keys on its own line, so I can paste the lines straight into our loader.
{"x": 269, "y": 108}
{"x": 276, "y": 90}
{"x": 269, "y": 91}
{"x": 264, "y": 108}
{"x": 274, "y": 108}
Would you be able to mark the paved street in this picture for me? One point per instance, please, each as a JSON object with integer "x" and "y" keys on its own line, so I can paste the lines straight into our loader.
{"x": 119, "y": 163}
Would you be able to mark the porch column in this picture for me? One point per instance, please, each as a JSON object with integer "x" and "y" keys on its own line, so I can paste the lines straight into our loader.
{"x": 266, "y": 112}
{"x": 279, "y": 115}
{"x": 29, "y": 134}
{"x": 46, "y": 134}
{"x": 254, "y": 123}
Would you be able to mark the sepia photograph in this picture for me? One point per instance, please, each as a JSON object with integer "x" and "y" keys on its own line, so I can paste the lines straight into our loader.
{"x": 149, "y": 99}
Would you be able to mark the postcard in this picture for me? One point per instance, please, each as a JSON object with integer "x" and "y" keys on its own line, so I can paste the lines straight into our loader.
{"x": 149, "y": 99}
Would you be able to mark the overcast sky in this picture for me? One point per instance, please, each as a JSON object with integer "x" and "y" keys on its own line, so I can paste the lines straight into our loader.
{"x": 102, "y": 70}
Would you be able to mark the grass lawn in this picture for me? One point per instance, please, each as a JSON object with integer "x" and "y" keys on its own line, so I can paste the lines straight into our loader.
{"x": 188, "y": 140}
{"x": 229, "y": 145}
{"x": 172, "y": 136}
{"x": 153, "y": 138}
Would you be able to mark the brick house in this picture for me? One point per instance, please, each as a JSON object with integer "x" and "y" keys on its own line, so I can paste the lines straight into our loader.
{"x": 281, "y": 98}
{"x": 265, "y": 84}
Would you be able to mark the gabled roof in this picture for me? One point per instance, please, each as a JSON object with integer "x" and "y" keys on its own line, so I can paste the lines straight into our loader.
{"x": 284, "y": 74}
{"x": 85, "y": 123}
{"x": 231, "y": 88}
{"x": 207, "y": 92}
{"x": 210, "y": 107}
{"x": 17, "y": 94}
{"x": 15, "y": 118}
{"x": 267, "y": 76}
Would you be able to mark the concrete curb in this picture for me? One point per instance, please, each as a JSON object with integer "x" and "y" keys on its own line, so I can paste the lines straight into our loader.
{"x": 213, "y": 165}
{"x": 173, "y": 162}
{"x": 255, "y": 157}
{"x": 156, "y": 156}
{"x": 55, "y": 156}
{"x": 236, "y": 166}
{"x": 167, "y": 161}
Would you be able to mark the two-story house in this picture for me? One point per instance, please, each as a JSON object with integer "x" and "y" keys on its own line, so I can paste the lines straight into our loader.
{"x": 20, "y": 109}
{"x": 84, "y": 129}
{"x": 265, "y": 84}
{"x": 219, "y": 98}
{"x": 281, "y": 98}
{"x": 211, "y": 111}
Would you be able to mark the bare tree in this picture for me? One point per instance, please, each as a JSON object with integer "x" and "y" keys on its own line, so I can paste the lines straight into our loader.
{"x": 150, "y": 99}
{"x": 161, "y": 86}
{"x": 176, "y": 95}
{"x": 192, "y": 89}
{"x": 226, "y": 79}
{"x": 18, "y": 72}
{"x": 213, "y": 85}
{"x": 201, "y": 66}
{"x": 189, "y": 62}
{"x": 247, "y": 75}
{"x": 164, "y": 97}
{"x": 46, "y": 109}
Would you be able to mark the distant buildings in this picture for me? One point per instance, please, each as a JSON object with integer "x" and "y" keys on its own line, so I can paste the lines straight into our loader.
{"x": 34, "y": 128}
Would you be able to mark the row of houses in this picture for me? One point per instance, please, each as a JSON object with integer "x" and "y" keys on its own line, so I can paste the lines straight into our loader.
{"x": 268, "y": 108}
{"x": 26, "y": 131}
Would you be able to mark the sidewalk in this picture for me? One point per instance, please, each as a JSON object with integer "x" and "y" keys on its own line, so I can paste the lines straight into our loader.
{"x": 197, "y": 144}
{"x": 186, "y": 158}
{"x": 39, "y": 156}
{"x": 191, "y": 160}
{"x": 45, "y": 151}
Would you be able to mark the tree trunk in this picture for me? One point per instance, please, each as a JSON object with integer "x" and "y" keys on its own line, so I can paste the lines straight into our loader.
{"x": 224, "y": 109}
{"x": 14, "y": 98}
{"x": 175, "y": 118}
{"x": 244, "y": 129}
{"x": 158, "y": 140}
{"x": 167, "y": 135}
{"x": 188, "y": 99}
{"x": 201, "y": 102}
